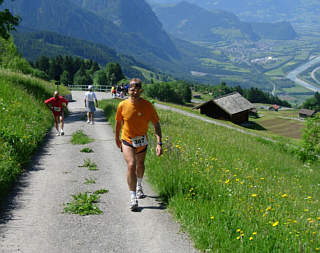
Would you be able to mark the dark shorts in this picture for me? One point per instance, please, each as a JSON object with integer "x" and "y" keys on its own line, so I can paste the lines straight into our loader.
{"x": 138, "y": 150}
{"x": 56, "y": 114}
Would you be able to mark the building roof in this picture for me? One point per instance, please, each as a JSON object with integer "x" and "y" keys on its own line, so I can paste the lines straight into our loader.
{"x": 307, "y": 112}
{"x": 231, "y": 103}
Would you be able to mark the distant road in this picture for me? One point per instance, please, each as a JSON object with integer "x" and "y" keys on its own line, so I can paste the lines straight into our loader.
{"x": 313, "y": 74}
{"x": 293, "y": 75}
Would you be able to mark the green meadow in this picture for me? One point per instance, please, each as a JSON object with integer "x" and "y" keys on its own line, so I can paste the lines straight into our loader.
{"x": 25, "y": 121}
{"x": 233, "y": 192}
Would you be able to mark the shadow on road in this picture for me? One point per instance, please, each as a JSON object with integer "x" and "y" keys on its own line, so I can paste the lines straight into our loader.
{"x": 9, "y": 203}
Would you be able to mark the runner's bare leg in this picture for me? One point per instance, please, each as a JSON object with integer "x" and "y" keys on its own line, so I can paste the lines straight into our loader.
{"x": 140, "y": 164}
{"x": 130, "y": 157}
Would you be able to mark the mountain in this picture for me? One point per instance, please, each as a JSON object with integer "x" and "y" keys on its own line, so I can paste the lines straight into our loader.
{"x": 191, "y": 22}
{"x": 70, "y": 18}
{"x": 275, "y": 31}
{"x": 298, "y": 12}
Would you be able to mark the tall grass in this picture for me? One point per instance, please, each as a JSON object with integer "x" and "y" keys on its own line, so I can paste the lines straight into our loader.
{"x": 24, "y": 121}
{"x": 231, "y": 192}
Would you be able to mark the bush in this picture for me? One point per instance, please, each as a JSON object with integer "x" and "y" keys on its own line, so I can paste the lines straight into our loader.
{"x": 311, "y": 140}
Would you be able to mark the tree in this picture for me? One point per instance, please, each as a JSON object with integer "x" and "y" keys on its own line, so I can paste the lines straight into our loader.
{"x": 43, "y": 64}
{"x": 82, "y": 78}
{"x": 65, "y": 78}
{"x": 100, "y": 78}
{"x": 7, "y": 22}
{"x": 113, "y": 72}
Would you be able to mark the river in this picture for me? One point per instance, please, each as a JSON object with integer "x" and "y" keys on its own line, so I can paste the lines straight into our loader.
{"x": 293, "y": 75}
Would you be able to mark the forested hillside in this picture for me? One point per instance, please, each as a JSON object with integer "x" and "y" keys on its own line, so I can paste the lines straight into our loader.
{"x": 33, "y": 44}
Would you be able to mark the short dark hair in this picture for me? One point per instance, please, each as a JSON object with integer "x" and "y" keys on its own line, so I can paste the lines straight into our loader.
{"x": 135, "y": 82}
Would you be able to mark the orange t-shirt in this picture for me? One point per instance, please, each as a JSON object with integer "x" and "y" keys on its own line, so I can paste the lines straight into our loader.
{"x": 135, "y": 118}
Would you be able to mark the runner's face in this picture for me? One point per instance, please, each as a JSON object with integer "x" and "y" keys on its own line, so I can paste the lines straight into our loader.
{"x": 134, "y": 91}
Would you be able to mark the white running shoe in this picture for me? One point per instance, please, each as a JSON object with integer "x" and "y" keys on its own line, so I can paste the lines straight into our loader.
{"x": 133, "y": 204}
{"x": 58, "y": 133}
{"x": 88, "y": 121}
{"x": 91, "y": 123}
{"x": 62, "y": 132}
{"x": 140, "y": 193}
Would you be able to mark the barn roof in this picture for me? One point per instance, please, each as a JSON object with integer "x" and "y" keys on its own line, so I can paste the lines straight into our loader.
{"x": 231, "y": 103}
{"x": 307, "y": 112}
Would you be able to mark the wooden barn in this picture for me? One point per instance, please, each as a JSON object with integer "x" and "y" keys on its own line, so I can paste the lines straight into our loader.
{"x": 305, "y": 113}
{"x": 233, "y": 107}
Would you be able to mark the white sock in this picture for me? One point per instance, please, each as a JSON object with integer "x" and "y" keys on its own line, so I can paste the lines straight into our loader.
{"x": 133, "y": 194}
{"x": 139, "y": 181}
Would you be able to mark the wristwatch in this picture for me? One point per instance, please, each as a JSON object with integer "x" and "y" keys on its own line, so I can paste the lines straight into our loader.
{"x": 160, "y": 143}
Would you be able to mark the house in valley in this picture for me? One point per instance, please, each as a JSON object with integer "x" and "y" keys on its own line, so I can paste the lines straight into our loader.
{"x": 305, "y": 113}
{"x": 233, "y": 107}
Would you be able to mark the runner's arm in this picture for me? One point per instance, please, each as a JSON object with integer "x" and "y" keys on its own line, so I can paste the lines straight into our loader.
{"x": 118, "y": 128}
{"x": 157, "y": 129}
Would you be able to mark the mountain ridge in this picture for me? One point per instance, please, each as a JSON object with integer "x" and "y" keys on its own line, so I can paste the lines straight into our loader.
{"x": 191, "y": 22}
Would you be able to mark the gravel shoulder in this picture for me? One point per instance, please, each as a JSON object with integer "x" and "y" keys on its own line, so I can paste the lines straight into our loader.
{"x": 33, "y": 220}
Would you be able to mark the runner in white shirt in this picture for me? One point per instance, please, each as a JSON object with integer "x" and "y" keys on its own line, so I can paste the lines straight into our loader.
{"x": 90, "y": 98}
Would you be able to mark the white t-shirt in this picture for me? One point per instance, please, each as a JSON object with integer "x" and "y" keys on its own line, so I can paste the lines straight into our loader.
{"x": 90, "y": 96}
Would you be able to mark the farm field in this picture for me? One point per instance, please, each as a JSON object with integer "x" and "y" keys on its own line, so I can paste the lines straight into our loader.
{"x": 284, "y": 123}
{"x": 233, "y": 192}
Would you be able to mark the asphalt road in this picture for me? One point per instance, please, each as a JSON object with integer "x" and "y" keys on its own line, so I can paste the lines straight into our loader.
{"x": 34, "y": 222}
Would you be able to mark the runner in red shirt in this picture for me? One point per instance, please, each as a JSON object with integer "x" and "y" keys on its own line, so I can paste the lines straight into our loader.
{"x": 55, "y": 104}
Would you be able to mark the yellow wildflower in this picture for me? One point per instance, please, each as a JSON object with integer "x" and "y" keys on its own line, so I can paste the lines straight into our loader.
{"x": 227, "y": 181}
{"x": 238, "y": 230}
{"x": 284, "y": 195}
{"x": 274, "y": 224}
{"x": 212, "y": 217}
{"x": 251, "y": 238}
{"x": 254, "y": 233}
{"x": 268, "y": 208}
{"x": 254, "y": 195}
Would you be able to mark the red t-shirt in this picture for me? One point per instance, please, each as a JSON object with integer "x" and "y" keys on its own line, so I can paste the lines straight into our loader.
{"x": 56, "y": 103}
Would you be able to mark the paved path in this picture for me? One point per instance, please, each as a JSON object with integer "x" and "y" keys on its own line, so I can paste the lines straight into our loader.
{"x": 34, "y": 222}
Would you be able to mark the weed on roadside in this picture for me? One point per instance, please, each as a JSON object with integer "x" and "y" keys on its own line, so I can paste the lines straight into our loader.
{"x": 90, "y": 181}
{"x": 101, "y": 191}
{"x": 83, "y": 204}
{"x": 87, "y": 150}
{"x": 89, "y": 164}
{"x": 79, "y": 137}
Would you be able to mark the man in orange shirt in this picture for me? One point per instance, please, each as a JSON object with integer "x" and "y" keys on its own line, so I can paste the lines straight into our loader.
{"x": 133, "y": 116}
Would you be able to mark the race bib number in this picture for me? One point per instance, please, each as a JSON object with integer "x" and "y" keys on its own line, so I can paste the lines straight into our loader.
{"x": 56, "y": 109}
{"x": 139, "y": 141}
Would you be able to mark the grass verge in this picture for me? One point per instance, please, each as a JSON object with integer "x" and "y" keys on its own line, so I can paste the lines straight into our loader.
{"x": 25, "y": 121}
{"x": 230, "y": 191}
